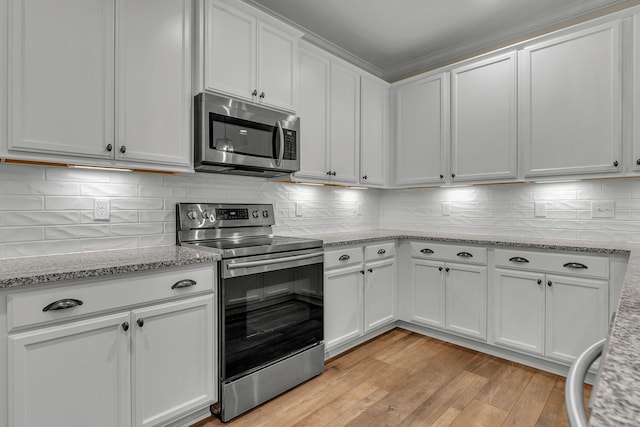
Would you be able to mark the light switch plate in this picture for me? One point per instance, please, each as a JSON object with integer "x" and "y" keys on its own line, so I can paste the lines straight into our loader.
{"x": 298, "y": 209}
{"x": 102, "y": 210}
{"x": 602, "y": 209}
{"x": 540, "y": 209}
{"x": 446, "y": 209}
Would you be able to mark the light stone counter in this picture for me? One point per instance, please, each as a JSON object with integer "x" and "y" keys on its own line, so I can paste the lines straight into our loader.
{"x": 19, "y": 272}
{"x": 617, "y": 401}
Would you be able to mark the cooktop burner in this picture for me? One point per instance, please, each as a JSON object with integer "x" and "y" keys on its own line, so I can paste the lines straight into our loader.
{"x": 234, "y": 230}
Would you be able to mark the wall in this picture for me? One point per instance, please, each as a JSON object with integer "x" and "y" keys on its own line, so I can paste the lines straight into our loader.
{"x": 509, "y": 209}
{"x": 49, "y": 210}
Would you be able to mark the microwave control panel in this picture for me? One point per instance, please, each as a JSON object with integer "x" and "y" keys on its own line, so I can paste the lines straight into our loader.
{"x": 289, "y": 144}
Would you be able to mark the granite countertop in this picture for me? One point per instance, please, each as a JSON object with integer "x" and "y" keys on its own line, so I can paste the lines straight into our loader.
{"x": 617, "y": 401}
{"x": 15, "y": 272}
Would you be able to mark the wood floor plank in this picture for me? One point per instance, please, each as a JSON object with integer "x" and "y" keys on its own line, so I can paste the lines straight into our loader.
{"x": 480, "y": 414}
{"x": 403, "y": 378}
{"x": 531, "y": 402}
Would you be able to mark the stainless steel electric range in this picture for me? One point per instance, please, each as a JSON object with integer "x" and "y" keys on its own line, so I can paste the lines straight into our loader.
{"x": 270, "y": 301}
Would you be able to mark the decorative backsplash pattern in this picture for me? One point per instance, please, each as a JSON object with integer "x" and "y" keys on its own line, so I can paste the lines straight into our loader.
{"x": 49, "y": 210}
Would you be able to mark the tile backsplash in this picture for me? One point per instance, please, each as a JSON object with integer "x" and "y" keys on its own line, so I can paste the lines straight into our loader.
{"x": 49, "y": 210}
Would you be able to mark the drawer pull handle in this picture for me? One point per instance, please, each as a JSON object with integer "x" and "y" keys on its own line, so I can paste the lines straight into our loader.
{"x": 184, "y": 284}
{"x": 575, "y": 265}
{"x": 381, "y": 251}
{"x": 344, "y": 258}
{"x": 63, "y": 304}
{"x": 426, "y": 251}
{"x": 464, "y": 255}
{"x": 519, "y": 260}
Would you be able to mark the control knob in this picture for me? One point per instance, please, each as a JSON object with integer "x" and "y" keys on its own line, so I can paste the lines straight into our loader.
{"x": 255, "y": 214}
{"x": 265, "y": 214}
{"x": 207, "y": 215}
{"x": 192, "y": 215}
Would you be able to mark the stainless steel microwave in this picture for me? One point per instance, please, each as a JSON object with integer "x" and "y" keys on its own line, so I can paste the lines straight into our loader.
{"x": 239, "y": 138}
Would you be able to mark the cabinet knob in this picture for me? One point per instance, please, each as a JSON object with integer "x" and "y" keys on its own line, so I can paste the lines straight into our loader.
{"x": 370, "y": 270}
{"x": 254, "y": 93}
{"x": 262, "y": 95}
{"x": 364, "y": 177}
{"x": 539, "y": 281}
{"x": 333, "y": 173}
{"x": 439, "y": 268}
{"x": 361, "y": 271}
{"x": 615, "y": 163}
{"x": 140, "y": 322}
{"x": 638, "y": 162}
{"x": 441, "y": 176}
{"x": 328, "y": 172}
{"x": 549, "y": 283}
{"x": 446, "y": 269}
{"x": 109, "y": 147}
{"x": 123, "y": 149}
{"x": 125, "y": 326}
{"x": 453, "y": 175}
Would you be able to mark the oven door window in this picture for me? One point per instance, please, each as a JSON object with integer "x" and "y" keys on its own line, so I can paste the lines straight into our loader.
{"x": 269, "y": 316}
{"x": 233, "y": 135}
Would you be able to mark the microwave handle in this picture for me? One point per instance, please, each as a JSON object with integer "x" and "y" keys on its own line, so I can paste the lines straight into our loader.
{"x": 281, "y": 135}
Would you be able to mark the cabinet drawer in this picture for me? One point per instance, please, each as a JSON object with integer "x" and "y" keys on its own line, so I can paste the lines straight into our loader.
{"x": 457, "y": 253}
{"x": 381, "y": 251}
{"x": 563, "y": 263}
{"x": 342, "y": 257}
{"x": 27, "y": 308}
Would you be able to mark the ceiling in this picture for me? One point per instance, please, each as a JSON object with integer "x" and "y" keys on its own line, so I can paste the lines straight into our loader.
{"x": 395, "y": 38}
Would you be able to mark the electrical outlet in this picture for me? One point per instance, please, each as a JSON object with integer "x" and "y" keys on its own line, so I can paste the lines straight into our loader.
{"x": 102, "y": 210}
{"x": 446, "y": 209}
{"x": 540, "y": 209}
{"x": 602, "y": 209}
{"x": 298, "y": 209}
{"x": 359, "y": 209}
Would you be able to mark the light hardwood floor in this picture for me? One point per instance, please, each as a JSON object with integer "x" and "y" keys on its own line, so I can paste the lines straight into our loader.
{"x": 405, "y": 379}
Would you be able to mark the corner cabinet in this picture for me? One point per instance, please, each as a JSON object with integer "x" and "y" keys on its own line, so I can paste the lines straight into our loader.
{"x": 484, "y": 119}
{"x": 422, "y": 130}
{"x": 570, "y": 103}
{"x": 374, "y": 122}
{"x": 249, "y": 58}
{"x": 63, "y": 90}
{"x": 143, "y": 367}
{"x": 329, "y": 110}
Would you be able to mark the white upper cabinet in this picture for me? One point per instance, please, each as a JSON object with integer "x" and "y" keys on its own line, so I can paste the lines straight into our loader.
{"x": 61, "y": 79}
{"x": 374, "y": 100}
{"x": 570, "y": 103}
{"x": 248, "y": 58}
{"x": 329, "y": 110}
{"x": 101, "y": 79}
{"x": 344, "y": 140}
{"x": 484, "y": 120}
{"x": 422, "y": 134}
{"x": 153, "y": 81}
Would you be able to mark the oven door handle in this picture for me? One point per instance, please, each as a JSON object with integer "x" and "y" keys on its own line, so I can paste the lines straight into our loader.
{"x": 248, "y": 264}
{"x": 281, "y": 135}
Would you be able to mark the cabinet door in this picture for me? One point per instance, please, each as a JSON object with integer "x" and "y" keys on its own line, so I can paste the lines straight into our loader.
{"x": 577, "y": 315}
{"x": 422, "y": 130}
{"x": 173, "y": 363}
{"x": 154, "y": 81}
{"x": 519, "y": 310}
{"x": 380, "y": 293}
{"x": 345, "y": 123}
{"x": 427, "y": 293}
{"x": 61, "y": 77}
{"x": 569, "y": 100}
{"x": 466, "y": 297}
{"x": 373, "y": 131}
{"x": 343, "y": 306}
{"x": 277, "y": 65}
{"x": 484, "y": 120}
{"x": 230, "y": 51}
{"x": 76, "y": 375}
{"x": 635, "y": 161}
{"x": 313, "y": 109}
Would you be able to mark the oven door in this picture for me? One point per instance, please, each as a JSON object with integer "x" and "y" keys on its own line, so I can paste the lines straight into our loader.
{"x": 271, "y": 308}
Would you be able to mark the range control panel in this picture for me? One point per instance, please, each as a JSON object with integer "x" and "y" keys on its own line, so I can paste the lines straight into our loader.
{"x": 215, "y": 215}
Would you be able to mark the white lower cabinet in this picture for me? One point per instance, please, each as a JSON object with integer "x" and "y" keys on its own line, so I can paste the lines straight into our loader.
{"x": 466, "y": 300}
{"x": 427, "y": 293}
{"x": 360, "y": 292}
{"x": 554, "y": 316}
{"x": 148, "y": 365}
{"x": 172, "y": 359}
{"x": 72, "y": 375}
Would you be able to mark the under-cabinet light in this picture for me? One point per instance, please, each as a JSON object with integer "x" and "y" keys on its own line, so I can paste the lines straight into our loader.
{"x": 100, "y": 168}
{"x": 556, "y": 181}
{"x": 358, "y": 188}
